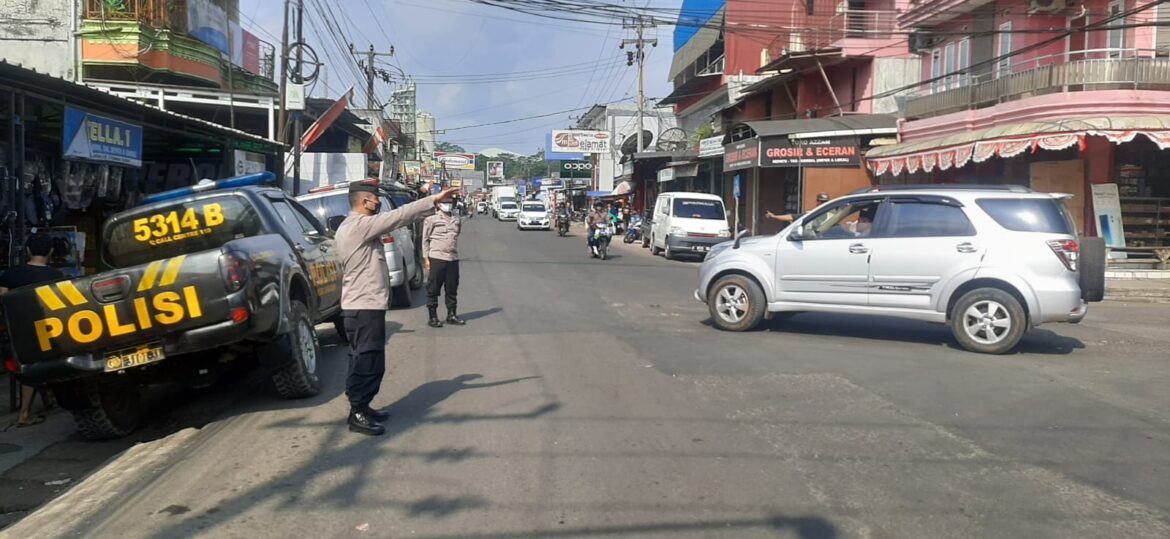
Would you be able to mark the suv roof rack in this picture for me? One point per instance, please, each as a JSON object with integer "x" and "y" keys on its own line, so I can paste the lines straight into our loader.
{"x": 1011, "y": 188}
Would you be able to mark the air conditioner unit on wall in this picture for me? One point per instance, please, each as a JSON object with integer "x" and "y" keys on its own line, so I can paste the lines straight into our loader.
{"x": 1047, "y": 6}
{"x": 921, "y": 41}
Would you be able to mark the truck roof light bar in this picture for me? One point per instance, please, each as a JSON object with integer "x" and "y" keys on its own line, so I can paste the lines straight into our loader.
{"x": 258, "y": 178}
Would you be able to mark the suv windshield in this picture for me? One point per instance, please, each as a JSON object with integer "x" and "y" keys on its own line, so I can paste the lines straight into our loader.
{"x": 534, "y": 208}
{"x": 693, "y": 208}
{"x": 1046, "y": 215}
{"x": 179, "y": 228}
{"x": 508, "y": 206}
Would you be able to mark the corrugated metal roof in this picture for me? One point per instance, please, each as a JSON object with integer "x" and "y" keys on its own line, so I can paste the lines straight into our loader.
{"x": 12, "y": 72}
{"x": 1022, "y": 129}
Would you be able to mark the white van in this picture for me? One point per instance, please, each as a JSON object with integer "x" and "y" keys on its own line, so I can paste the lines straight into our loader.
{"x": 688, "y": 223}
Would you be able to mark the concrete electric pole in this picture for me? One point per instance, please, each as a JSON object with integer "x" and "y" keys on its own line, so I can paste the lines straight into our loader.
{"x": 372, "y": 73}
{"x": 639, "y": 25}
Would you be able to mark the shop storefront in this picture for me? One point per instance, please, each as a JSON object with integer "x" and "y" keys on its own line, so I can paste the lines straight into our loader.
{"x": 1116, "y": 161}
{"x": 710, "y": 174}
{"x": 71, "y": 156}
{"x": 783, "y": 165}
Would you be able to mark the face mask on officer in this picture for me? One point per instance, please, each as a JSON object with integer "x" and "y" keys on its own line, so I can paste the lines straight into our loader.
{"x": 445, "y": 207}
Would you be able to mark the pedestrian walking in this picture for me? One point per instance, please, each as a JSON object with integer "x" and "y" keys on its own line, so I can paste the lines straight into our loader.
{"x": 365, "y": 294}
{"x": 440, "y": 250}
{"x": 35, "y": 271}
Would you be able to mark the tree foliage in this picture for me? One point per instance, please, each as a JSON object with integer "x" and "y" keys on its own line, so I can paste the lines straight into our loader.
{"x": 449, "y": 147}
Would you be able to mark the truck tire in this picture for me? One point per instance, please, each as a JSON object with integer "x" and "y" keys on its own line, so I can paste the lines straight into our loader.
{"x": 102, "y": 410}
{"x": 416, "y": 282}
{"x": 400, "y": 297}
{"x": 1091, "y": 266}
{"x": 298, "y": 377}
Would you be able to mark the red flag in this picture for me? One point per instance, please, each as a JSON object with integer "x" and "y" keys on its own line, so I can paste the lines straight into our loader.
{"x": 378, "y": 137}
{"x": 318, "y": 128}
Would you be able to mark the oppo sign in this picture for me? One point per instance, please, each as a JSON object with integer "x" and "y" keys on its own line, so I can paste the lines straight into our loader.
{"x": 573, "y": 166}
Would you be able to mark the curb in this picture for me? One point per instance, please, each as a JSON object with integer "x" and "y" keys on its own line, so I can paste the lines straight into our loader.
{"x": 115, "y": 480}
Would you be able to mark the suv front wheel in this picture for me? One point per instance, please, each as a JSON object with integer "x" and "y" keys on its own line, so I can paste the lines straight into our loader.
{"x": 988, "y": 321}
{"x": 736, "y": 303}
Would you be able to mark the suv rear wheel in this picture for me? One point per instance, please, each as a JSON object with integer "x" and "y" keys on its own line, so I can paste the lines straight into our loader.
{"x": 736, "y": 303}
{"x": 988, "y": 321}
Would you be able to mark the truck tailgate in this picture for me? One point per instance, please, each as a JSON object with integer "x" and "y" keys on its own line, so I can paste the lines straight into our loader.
{"x": 117, "y": 309}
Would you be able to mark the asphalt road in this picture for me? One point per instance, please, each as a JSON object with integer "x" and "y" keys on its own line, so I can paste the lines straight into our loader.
{"x": 589, "y": 398}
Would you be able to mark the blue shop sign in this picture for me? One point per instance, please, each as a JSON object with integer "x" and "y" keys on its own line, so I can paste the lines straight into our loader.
{"x": 96, "y": 138}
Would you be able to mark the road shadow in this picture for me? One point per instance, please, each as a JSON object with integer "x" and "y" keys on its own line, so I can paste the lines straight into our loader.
{"x": 1037, "y": 341}
{"x": 356, "y": 455}
{"x": 475, "y": 315}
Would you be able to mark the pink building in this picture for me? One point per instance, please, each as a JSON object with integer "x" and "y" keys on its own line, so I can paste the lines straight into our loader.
{"x": 1053, "y": 94}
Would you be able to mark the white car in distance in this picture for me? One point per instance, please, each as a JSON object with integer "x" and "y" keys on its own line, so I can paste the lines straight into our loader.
{"x": 533, "y": 216}
{"x": 508, "y": 211}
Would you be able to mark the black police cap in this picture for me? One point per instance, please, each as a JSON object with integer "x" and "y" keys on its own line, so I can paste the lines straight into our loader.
{"x": 363, "y": 187}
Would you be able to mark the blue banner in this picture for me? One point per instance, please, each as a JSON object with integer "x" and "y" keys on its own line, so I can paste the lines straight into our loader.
{"x": 97, "y": 138}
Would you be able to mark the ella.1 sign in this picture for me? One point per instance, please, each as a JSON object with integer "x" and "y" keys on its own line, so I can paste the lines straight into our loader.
{"x": 96, "y": 138}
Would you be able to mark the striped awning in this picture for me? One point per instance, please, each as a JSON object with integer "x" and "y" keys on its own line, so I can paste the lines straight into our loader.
{"x": 1011, "y": 140}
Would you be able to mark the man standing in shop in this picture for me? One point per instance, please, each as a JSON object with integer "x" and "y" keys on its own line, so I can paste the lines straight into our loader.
{"x": 440, "y": 250}
{"x": 35, "y": 271}
{"x": 365, "y": 294}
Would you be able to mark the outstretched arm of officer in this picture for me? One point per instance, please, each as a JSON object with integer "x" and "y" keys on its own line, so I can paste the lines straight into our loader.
{"x": 383, "y": 223}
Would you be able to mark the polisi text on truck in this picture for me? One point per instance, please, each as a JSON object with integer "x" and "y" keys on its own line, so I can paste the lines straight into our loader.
{"x": 90, "y": 324}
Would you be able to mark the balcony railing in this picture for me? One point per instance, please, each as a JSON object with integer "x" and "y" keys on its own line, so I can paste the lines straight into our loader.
{"x": 170, "y": 14}
{"x": 847, "y": 24}
{"x": 1106, "y": 69}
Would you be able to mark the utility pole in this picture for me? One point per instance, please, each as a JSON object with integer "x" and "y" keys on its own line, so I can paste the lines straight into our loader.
{"x": 639, "y": 25}
{"x": 297, "y": 129}
{"x": 372, "y": 73}
{"x": 283, "y": 74}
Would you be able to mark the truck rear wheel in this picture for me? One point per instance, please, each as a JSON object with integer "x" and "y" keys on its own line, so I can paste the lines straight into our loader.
{"x": 102, "y": 410}
{"x": 298, "y": 377}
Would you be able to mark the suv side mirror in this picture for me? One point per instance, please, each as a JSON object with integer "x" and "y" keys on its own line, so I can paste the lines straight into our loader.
{"x": 334, "y": 222}
{"x": 797, "y": 235}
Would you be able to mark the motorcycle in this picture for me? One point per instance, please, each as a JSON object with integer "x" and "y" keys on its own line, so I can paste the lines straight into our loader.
{"x": 601, "y": 238}
{"x": 562, "y": 226}
{"x": 632, "y": 232}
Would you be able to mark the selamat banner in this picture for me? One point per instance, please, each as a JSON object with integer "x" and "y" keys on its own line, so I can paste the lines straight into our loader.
{"x": 587, "y": 142}
{"x": 456, "y": 161}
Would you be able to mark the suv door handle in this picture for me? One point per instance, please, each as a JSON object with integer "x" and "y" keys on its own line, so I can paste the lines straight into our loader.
{"x": 966, "y": 247}
{"x": 300, "y": 248}
{"x": 858, "y": 249}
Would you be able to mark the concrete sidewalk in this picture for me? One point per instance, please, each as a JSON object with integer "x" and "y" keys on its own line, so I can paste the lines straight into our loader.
{"x": 1137, "y": 288}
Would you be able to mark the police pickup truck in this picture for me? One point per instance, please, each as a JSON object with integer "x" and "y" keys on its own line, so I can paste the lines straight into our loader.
{"x": 203, "y": 276}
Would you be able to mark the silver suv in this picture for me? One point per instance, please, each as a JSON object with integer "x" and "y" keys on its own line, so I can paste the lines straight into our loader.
{"x": 991, "y": 261}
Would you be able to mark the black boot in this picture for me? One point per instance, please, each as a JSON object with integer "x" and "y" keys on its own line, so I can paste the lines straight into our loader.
{"x": 363, "y": 423}
{"x": 376, "y": 415}
{"x": 434, "y": 321}
{"x": 453, "y": 318}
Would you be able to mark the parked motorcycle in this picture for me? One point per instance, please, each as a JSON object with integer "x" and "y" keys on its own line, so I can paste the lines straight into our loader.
{"x": 601, "y": 239}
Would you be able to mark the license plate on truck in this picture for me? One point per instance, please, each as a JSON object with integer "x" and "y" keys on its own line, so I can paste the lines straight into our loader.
{"x": 133, "y": 357}
{"x": 700, "y": 248}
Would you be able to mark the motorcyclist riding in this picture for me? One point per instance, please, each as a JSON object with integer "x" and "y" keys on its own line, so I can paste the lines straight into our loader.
{"x": 598, "y": 218}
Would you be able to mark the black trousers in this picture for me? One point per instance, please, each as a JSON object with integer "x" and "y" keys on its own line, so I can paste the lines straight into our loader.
{"x": 366, "y": 332}
{"x": 444, "y": 275}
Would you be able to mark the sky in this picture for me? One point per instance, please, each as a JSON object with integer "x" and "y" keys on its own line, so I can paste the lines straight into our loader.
{"x": 456, "y": 50}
